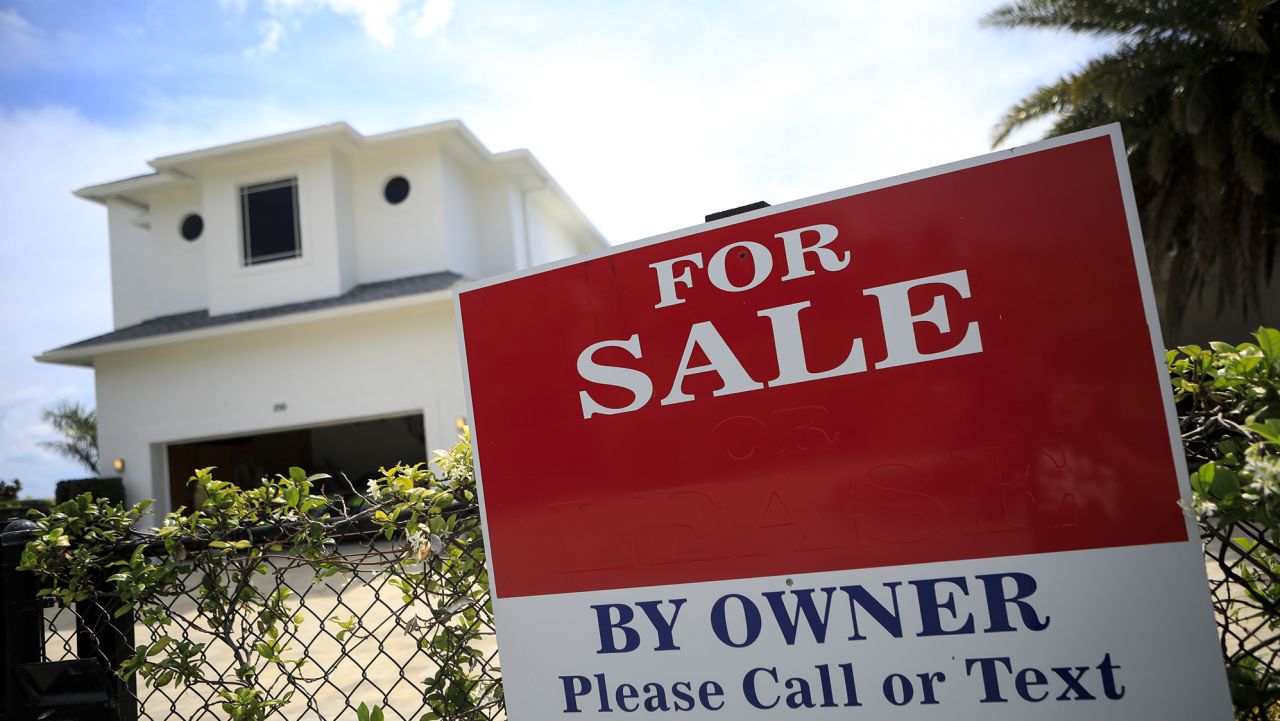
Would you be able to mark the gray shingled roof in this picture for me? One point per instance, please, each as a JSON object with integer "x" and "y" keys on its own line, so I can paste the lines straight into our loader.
{"x": 200, "y": 319}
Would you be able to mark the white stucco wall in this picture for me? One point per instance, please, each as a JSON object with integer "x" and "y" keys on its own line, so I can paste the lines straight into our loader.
{"x": 177, "y": 282}
{"x": 132, "y": 265}
{"x": 463, "y": 249}
{"x": 395, "y": 241}
{"x": 500, "y": 224}
{"x": 235, "y": 287}
{"x": 344, "y": 221}
{"x": 549, "y": 238}
{"x": 366, "y": 365}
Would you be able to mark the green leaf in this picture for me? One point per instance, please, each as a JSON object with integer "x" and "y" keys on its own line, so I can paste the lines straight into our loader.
{"x": 1202, "y": 479}
{"x": 1225, "y": 483}
{"x": 1269, "y": 429}
{"x": 1245, "y": 545}
{"x": 1269, "y": 342}
{"x": 161, "y": 644}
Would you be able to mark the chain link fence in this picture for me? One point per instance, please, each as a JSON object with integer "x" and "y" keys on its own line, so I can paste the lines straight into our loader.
{"x": 1243, "y": 564}
{"x": 372, "y": 625}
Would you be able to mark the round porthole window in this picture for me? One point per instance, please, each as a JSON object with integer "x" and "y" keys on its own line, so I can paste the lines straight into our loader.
{"x": 192, "y": 227}
{"x": 396, "y": 190}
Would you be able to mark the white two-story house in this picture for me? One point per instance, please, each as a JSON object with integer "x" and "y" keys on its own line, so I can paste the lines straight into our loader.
{"x": 288, "y": 300}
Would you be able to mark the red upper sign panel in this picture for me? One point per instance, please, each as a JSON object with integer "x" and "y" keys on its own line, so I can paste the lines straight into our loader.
{"x": 952, "y": 367}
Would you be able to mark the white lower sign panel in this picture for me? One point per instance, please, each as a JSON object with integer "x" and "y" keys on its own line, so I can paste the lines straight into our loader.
{"x": 1075, "y": 635}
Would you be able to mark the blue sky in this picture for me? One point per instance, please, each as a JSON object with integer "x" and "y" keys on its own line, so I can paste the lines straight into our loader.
{"x": 651, "y": 113}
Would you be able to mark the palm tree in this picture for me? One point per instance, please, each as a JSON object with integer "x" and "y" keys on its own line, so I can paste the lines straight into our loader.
{"x": 78, "y": 426}
{"x": 1194, "y": 84}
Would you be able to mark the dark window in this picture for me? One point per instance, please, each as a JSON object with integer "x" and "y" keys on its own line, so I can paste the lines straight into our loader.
{"x": 192, "y": 227}
{"x": 396, "y": 190}
{"x": 269, "y": 213}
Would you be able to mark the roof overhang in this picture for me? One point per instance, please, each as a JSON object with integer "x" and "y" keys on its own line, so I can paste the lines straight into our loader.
{"x": 340, "y": 133}
{"x": 136, "y": 190}
{"x": 83, "y": 355}
{"x": 186, "y": 167}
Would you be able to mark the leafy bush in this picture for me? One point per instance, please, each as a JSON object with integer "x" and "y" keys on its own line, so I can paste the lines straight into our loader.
{"x": 20, "y": 508}
{"x": 428, "y": 545}
{"x": 1228, "y": 399}
{"x": 110, "y": 489}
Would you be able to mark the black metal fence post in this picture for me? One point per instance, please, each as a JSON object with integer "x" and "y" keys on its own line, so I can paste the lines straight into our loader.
{"x": 21, "y": 615}
{"x": 108, "y": 639}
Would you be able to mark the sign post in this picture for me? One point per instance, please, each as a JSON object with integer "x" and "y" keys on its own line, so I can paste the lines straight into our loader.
{"x": 901, "y": 451}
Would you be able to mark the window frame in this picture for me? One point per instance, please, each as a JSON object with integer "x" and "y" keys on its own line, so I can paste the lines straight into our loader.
{"x": 249, "y": 260}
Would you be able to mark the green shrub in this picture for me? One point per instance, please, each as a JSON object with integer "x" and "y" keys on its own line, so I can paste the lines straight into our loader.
{"x": 111, "y": 489}
{"x": 417, "y": 528}
{"x": 16, "y": 509}
{"x": 1228, "y": 399}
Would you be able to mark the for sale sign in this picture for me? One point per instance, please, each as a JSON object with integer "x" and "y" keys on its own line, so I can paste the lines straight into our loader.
{"x": 901, "y": 451}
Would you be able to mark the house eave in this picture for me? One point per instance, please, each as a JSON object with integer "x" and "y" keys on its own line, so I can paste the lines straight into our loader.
{"x": 185, "y": 167}
{"x": 135, "y": 190}
{"x": 331, "y": 131}
{"x": 84, "y": 356}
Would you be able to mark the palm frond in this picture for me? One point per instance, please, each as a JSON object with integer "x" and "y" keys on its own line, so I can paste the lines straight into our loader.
{"x": 1111, "y": 18}
{"x": 1241, "y": 29}
{"x": 1045, "y": 101}
{"x": 1195, "y": 85}
{"x": 1244, "y": 149}
{"x": 1258, "y": 99}
{"x": 1159, "y": 151}
{"x": 78, "y": 426}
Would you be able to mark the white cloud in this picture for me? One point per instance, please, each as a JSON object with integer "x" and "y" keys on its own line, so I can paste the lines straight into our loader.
{"x": 20, "y": 42}
{"x": 14, "y": 27}
{"x": 272, "y": 31}
{"x": 435, "y": 14}
{"x": 379, "y": 19}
